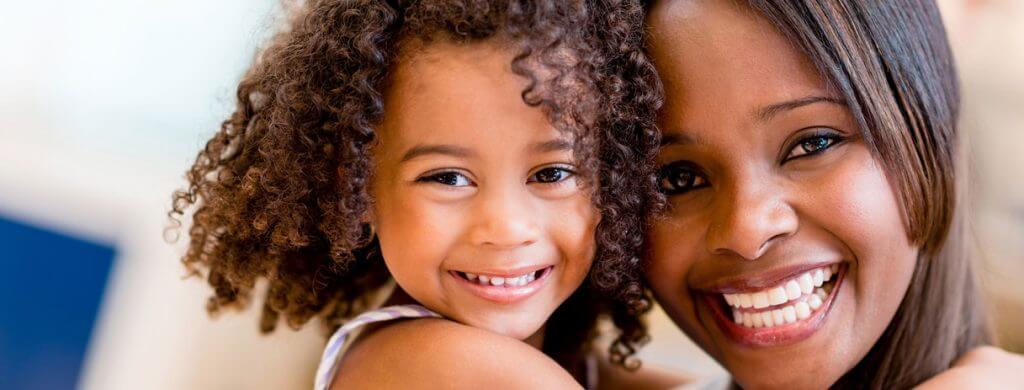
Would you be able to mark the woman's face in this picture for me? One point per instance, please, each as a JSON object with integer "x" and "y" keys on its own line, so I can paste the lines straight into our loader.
{"x": 477, "y": 206}
{"x": 783, "y": 252}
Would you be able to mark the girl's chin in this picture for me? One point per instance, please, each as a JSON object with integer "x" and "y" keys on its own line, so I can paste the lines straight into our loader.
{"x": 519, "y": 326}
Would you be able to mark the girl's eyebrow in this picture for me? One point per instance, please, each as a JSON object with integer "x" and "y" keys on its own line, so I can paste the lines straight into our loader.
{"x": 448, "y": 150}
{"x": 459, "y": 151}
{"x": 555, "y": 145}
{"x": 766, "y": 113}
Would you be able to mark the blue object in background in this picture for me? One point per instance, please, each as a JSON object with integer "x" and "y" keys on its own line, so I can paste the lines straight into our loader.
{"x": 51, "y": 286}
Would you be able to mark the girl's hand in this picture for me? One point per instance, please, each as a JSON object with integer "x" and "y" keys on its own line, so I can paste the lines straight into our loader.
{"x": 982, "y": 367}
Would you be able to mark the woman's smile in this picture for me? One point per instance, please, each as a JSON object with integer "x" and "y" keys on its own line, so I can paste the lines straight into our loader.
{"x": 784, "y": 312}
{"x": 783, "y": 240}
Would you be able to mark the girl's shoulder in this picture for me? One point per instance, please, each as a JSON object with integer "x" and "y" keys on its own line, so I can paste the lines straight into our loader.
{"x": 440, "y": 352}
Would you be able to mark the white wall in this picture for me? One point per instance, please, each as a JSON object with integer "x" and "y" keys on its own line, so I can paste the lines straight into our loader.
{"x": 103, "y": 104}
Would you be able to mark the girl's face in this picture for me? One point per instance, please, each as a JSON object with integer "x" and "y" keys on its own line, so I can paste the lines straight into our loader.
{"x": 783, "y": 252}
{"x": 477, "y": 207}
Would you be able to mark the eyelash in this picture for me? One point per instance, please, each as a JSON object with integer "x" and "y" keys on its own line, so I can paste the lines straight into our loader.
{"x": 566, "y": 174}
{"x": 686, "y": 175}
{"x": 451, "y": 178}
{"x": 445, "y": 178}
{"x": 689, "y": 177}
{"x": 830, "y": 138}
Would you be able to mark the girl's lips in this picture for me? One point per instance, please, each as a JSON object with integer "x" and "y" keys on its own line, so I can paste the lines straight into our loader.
{"x": 776, "y": 335}
{"x": 503, "y": 293}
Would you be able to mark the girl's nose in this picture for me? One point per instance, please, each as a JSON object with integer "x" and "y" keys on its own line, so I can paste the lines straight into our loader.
{"x": 504, "y": 218}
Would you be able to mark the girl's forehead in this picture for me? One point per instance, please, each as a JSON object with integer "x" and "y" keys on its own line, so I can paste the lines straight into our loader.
{"x": 460, "y": 93}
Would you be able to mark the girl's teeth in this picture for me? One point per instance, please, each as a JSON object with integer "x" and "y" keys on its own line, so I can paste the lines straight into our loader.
{"x": 499, "y": 281}
{"x": 804, "y": 293}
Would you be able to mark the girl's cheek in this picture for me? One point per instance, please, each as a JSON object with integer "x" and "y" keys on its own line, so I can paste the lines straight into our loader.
{"x": 575, "y": 222}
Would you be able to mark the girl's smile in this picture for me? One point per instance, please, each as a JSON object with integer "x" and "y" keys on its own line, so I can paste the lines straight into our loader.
{"x": 477, "y": 205}
{"x": 509, "y": 286}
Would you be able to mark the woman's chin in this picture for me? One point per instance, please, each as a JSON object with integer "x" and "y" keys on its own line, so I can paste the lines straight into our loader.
{"x": 808, "y": 353}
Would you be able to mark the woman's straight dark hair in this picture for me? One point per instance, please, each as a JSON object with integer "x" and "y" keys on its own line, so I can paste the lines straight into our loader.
{"x": 890, "y": 60}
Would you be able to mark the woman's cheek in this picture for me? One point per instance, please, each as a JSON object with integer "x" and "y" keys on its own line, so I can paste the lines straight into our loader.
{"x": 672, "y": 245}
{"x": 858, "y": 206}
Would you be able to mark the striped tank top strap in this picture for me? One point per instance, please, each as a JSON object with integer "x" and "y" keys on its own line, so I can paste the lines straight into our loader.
{"x": 333, "y": 351}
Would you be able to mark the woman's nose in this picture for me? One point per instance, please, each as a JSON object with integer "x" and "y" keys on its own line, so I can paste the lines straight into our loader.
{"x": 748, "y": 219}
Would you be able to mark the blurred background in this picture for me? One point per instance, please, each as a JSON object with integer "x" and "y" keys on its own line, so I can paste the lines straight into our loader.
{"x": 103, "y": 105}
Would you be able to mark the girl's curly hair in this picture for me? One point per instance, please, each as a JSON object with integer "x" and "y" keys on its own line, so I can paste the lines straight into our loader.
{"x": 281, "y": 190}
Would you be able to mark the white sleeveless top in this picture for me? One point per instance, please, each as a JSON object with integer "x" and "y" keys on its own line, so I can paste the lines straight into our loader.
{"x": 335, "y": 347}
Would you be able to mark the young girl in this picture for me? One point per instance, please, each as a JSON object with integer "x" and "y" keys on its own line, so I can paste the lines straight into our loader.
{"x": 486, "y": 156}
{"x": 814, "y": 235}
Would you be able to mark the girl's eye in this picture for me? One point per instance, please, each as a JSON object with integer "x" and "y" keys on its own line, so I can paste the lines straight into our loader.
{"x": 551, "y": 175}
{"x": 454, "y": 179}
{"x": 679, "y": 178}
{"x": 813, "y": 144}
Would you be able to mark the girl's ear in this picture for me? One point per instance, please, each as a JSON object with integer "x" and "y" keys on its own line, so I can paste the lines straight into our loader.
{"x": 370, "y": 221}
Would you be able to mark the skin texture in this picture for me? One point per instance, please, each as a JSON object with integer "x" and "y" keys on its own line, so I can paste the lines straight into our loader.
{"x": 984, "y": 367}
{"x": 502, "y": 196}
{"x": 460, "y": 357}
{"x": 764, "y": 196}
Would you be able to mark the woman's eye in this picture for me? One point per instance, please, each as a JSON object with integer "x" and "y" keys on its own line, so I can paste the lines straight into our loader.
{"x": 675, "y": 179}
{"x": 550, "y": 175}
{"x": 454, "y": 179}
{"x": 811, "y": 145}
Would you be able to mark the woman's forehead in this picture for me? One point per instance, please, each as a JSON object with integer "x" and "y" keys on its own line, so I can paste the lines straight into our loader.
{"x": 718, "y": 59}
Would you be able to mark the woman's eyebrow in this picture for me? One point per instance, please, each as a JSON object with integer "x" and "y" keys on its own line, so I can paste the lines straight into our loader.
{"x": 670, "y": 138}
{"x": 443, "y": 149}
{"x": 766, "y": 113}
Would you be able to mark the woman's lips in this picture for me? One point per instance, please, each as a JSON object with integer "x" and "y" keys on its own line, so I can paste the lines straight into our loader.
{"x": 504, "y": 287}
{"x": 785, "y": 313}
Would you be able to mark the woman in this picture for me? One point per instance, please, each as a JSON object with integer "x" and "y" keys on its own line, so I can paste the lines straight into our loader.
{"x": 813, "y": 234}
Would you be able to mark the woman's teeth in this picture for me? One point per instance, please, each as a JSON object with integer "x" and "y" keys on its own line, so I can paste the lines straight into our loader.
{"x": 804, "y": 294}
{"x": 499, "y": 281}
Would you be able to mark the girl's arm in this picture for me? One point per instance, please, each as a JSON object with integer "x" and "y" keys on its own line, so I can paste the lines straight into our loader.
{"x": 435, "y": 353}
{"x": 983, "y": 368}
